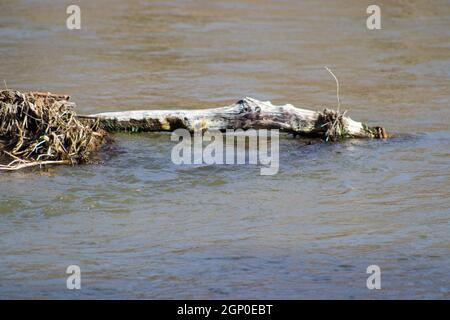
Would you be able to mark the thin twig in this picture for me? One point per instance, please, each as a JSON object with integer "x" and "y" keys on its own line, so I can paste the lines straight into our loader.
{"x": 337, "y": 88}
{"x": 11, "y": 167}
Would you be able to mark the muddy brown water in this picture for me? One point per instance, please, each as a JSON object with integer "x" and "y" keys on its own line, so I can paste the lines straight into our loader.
{"x": 141, "y": 227}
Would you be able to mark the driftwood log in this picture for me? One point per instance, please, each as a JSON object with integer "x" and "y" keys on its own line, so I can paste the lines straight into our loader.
{"x": 245, "y": 114}
{"x": 42, "y": 128}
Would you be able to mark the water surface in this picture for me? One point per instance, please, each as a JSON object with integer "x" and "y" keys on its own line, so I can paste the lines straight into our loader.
{"x": 141, "y": 227}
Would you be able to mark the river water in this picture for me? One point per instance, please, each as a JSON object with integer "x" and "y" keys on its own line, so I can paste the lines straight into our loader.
{"x": 139, "y": 226}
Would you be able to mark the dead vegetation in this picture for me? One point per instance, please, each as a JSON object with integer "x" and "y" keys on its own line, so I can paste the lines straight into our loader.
{"x": 42, "y": 128}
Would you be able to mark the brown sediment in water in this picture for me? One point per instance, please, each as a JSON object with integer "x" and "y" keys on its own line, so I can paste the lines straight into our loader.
{"x": 39, "y": 128}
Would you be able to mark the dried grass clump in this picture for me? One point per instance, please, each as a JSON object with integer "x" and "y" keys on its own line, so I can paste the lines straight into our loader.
{"x": 42, "y": 128}
{"x": 332, "y": 121}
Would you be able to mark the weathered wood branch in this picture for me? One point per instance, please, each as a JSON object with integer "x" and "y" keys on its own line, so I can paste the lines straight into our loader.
{"x": 38, "y": 128}
{"x": 245, "y": 114}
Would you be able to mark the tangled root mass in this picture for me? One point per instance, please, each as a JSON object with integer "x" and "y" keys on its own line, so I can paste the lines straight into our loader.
{"x": 42, "y": 128}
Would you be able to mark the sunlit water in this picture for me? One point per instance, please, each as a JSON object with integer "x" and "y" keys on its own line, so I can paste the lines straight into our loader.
{"x": 141, "y": 227}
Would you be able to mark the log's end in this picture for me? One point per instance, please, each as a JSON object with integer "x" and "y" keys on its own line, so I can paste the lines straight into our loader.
{"x": 376, "y": 132}
{"x": 381, "y": 133}
{"x": 333, "y": 125}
